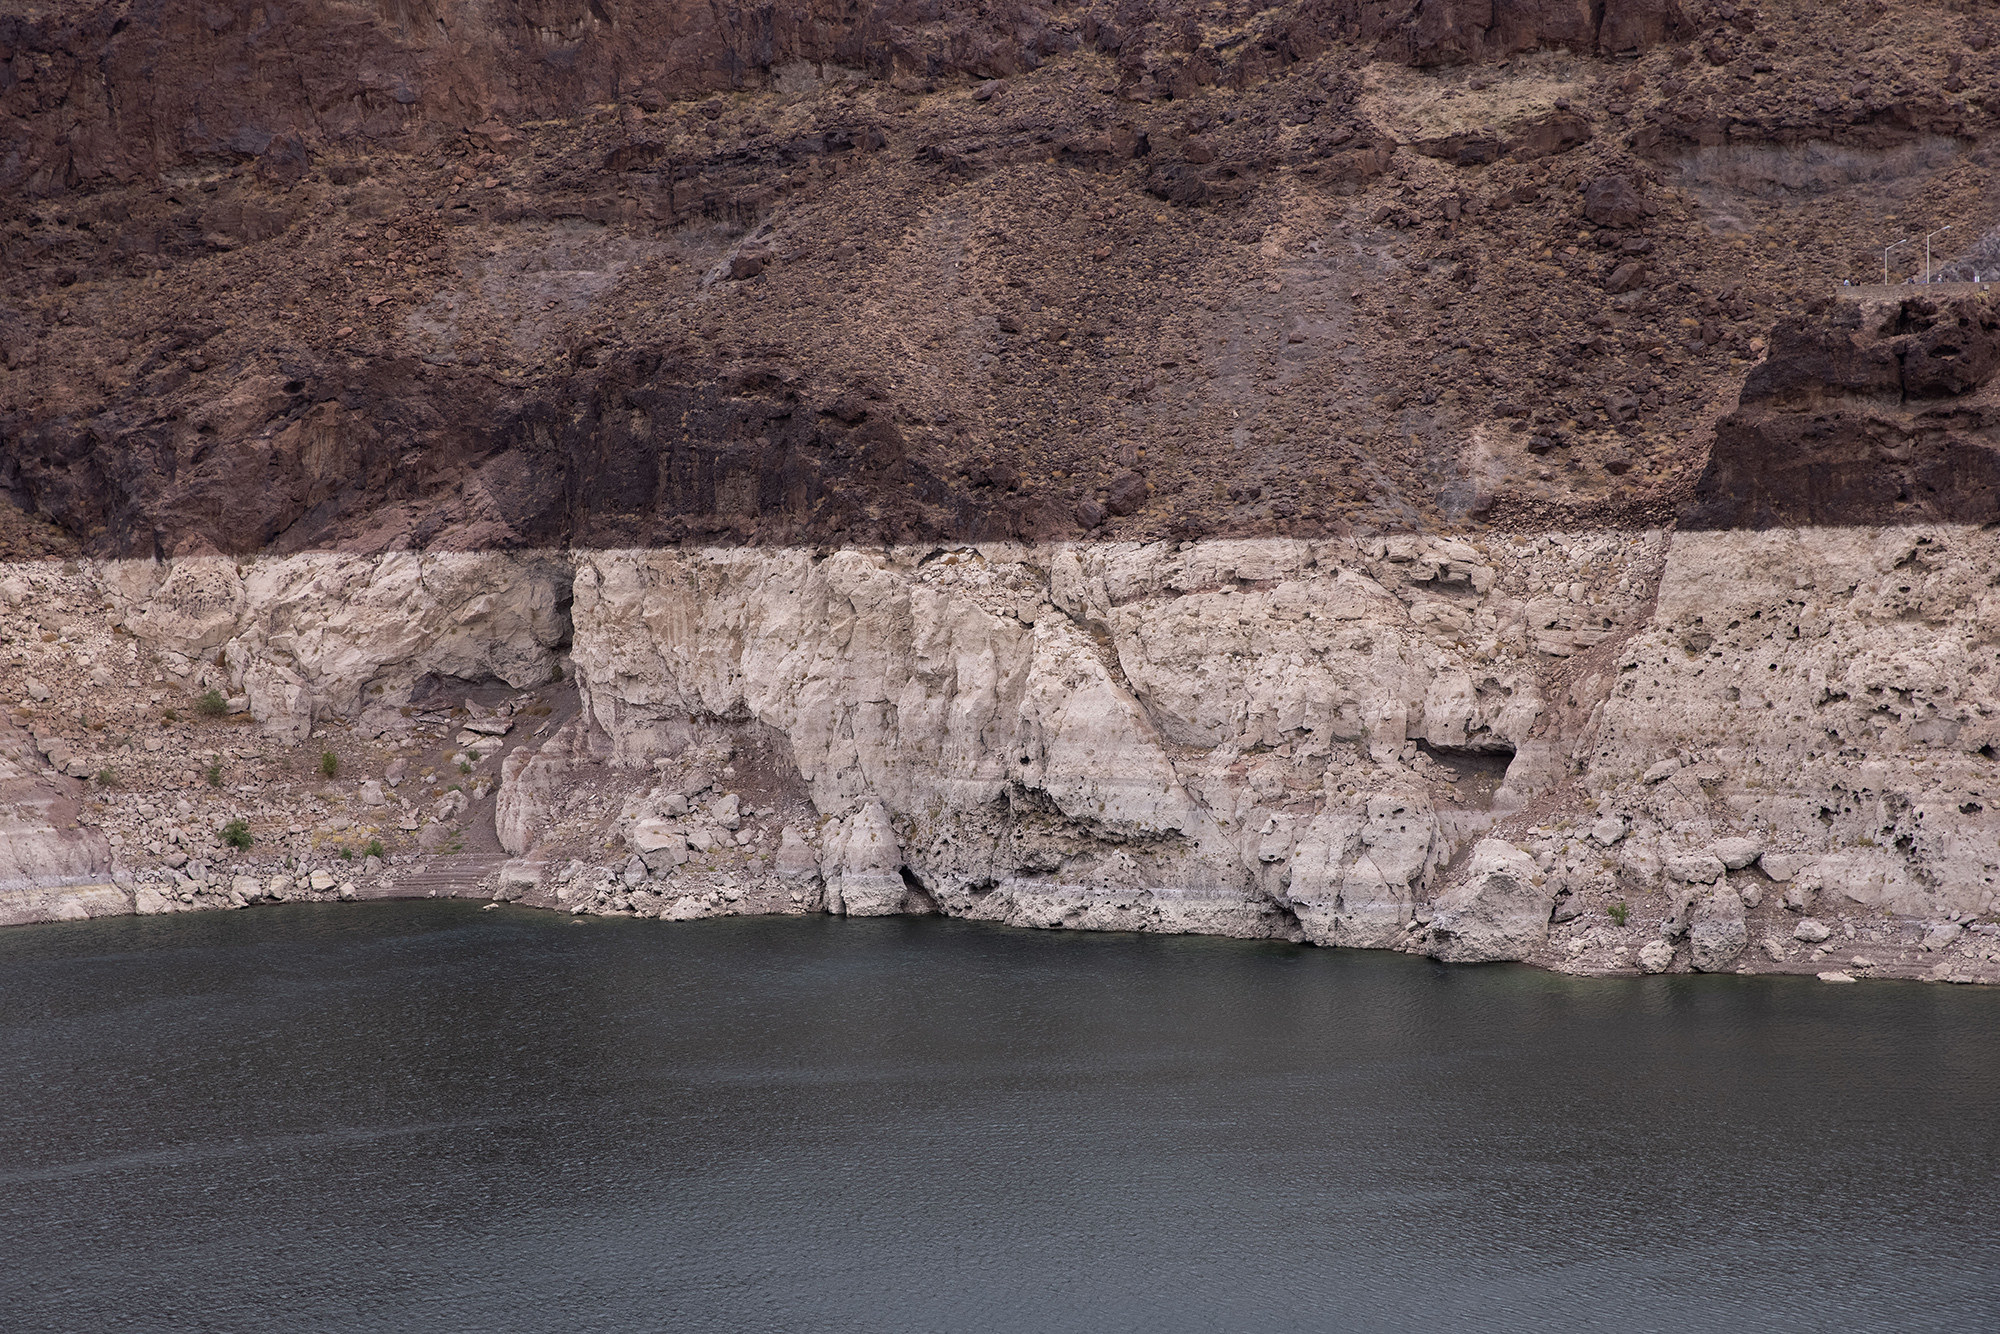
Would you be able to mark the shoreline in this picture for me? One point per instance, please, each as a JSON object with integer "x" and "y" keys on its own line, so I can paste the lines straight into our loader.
{"x": 1907, "y": 964}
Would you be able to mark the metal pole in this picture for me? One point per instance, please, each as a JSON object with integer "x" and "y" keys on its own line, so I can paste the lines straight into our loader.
{"x": 1927, "y": 251}
{"x": 1885, "y": 257}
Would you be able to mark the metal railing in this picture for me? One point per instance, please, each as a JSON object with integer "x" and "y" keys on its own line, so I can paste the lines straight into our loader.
{"x": 1904, "y": 291}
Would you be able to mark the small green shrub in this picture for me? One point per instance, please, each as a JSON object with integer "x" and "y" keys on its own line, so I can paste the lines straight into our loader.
{"x": 170, "y": 717}
{"x": 214, "y": 775}
{"x": 1618, "y": 912}
{"x": 374, "y": 849}
{"x": 464, "y": 768}
{"x": 329, "y": 764}
{"x": 346, "y": 853}
{"x": 212, "y": 705}
{"x": 107, "y": 778}
{"x": 237, "y": 834}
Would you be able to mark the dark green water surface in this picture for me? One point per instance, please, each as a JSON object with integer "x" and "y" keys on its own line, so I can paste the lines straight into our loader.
{"x": 422, "y": 1117}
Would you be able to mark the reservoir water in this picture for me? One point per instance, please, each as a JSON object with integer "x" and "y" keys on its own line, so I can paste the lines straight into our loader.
{"x": 423, "y": 1117}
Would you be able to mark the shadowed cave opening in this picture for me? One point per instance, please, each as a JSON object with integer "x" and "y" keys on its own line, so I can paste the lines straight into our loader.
{"x": 1477, "y": 773}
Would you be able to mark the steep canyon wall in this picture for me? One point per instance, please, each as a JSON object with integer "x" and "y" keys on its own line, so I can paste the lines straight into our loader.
{"x": 1439, "y": 745}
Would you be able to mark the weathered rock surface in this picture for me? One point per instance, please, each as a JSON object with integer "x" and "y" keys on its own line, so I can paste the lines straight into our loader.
{"x": 1499, "y": 912}
{"x": 318, "y": 277}
{"x": 1255, "y": 738}
{"x": 50, "y": 869}
{"x": 1838, "y": 689}
{"x": 333, "y": 635}
{"x": 1718, "y": 934}
{"x": 1876, "y": 412}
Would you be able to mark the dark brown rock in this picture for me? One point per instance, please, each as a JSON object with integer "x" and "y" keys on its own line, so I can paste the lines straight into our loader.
{"x": 1627, "y": 277}
{"x": 1613, "y": 201}
{"x": 1126, "y": 494}
{"x": 1864, "y": 415}
{"x": 1546, "y": 136}
{"x": 386, "y": 289}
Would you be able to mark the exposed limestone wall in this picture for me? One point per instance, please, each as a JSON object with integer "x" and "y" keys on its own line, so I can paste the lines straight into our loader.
{"x": 1834, "y": 693}
{"x": 1219, "y": 738}
{"x": 1300, "y": 739}
{"x": 331, "y": 635}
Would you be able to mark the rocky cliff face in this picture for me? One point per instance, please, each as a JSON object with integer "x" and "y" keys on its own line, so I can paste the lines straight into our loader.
{"x": 1381, "y": 474}
{"x": 464, "y": 278}
{"x": 1559, "y": 749}
{"x": 1873, "y": 411}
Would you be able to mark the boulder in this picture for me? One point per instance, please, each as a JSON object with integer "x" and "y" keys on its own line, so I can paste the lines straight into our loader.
{"x": 1655, "y": 956}
{"x": 1943, "y": 935}
{"x": 796, "y": 859}
{"x": 1782, "y": 866}
{"x": 657, "y": 835}
{"x": 728, "y": 811}
{"x": 1613, "y": 201}
{"x": 1718, "y": 934}
{"x": 864, "y": 867}
{"x": 1627, "y": 277}
{"x": 1499, "y": 911}
{"x": 1126, "y": 494}
{"x": 1811, "y": 930}
{"x": 1736, "y": 853}
{"x": 1695, "y": 868}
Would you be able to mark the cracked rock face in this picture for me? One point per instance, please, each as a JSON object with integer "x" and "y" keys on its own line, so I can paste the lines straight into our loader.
{"x": 1500, "y": 911}
{"x": 1718, "y": 933}
{"x": 1122, "y": 735}
{"x": 1414, "y": 744}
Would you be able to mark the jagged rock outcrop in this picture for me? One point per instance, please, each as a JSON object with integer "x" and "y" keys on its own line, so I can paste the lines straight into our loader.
{"x": 1125, "y": 735}
{"x": 1864, "y": 413}
{"x": 313, "y": 636}
{"x": 1498, "y": 912}
{"x": 50, "y": 870}
{"x": 1261, "y": 738}
{"x": 863, "y": 869}
{"x": 1356, "y": 872}
{"x": 1834, "y": 690}
{"x": 1717, "y": 935}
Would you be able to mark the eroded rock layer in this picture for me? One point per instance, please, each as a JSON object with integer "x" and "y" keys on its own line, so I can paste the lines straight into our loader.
{"x": 1600, "y": 751}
